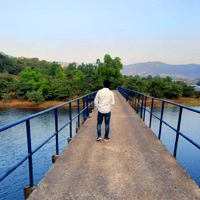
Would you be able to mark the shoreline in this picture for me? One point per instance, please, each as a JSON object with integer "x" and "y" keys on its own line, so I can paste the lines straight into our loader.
{"x": 190, "y": 102}
{"x": 31, "y": 105}
{"x": 185, "y": 101}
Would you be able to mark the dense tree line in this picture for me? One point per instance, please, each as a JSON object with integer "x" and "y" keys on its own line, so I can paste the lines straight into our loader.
{"x": 159, "y": 87}
{"x": 34, "y": 80}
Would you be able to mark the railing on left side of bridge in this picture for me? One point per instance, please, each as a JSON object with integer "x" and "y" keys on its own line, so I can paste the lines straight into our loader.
{"x": 138, "y": 101}
{"x": 87, "y": 102}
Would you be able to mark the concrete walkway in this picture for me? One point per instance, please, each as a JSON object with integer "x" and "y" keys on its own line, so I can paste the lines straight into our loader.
{"x": 134, "y": 164}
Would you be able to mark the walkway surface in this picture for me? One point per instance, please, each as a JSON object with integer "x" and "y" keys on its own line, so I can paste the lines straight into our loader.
{"x": 134, "y": 164}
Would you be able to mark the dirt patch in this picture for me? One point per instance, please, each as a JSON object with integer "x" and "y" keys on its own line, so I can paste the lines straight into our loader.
{"x": 28, "y": 104}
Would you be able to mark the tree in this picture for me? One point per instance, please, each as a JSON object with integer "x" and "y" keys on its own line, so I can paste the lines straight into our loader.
{"x": 149, "y": 78}
{"x": 167, "y": 79}
{"x": 188, "y": 91}
{"x": 156, "y": 87}
{"x": 6, "y": 82}
{"x": 59, "y": 89}
{"x": 35, "y": 96}
{"x": 28, "y": 81}
{"x": 110, "y": 70}
{"x": 78, "y": 80}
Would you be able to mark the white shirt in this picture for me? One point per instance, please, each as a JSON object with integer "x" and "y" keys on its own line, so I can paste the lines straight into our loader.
{"x": 104, "y": 100}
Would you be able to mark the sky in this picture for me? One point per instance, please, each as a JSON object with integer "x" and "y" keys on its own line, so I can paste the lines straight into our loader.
{"x": 84, "y": 31}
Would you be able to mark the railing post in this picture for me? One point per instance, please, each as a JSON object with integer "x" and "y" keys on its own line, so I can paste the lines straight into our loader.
{"x": 145, "y": 100}
{"x": 90, "y": 104}
{"x": 56, "y": 129}
{"x": 161, "y": 117}
{"x": 151, "y": 114}
{"x": 87, "y": 107}
{"x": 135, "y": 99}
{"x": 132, "y": 93}
{"x": 126, "y": 95}
{"x": 93, "y": 100}
{"x": 78, "y": 113}
{"x": 141, "y": 110}
{"x": 177, "y": 133}
{"x": 84, "y": 108}
{"x": 138, "y": 102}
{"x": 70, "y": 119}
{"x": 29, "y": 152}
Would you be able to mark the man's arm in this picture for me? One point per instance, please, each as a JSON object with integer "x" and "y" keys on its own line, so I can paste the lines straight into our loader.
{"x": 96, "y": 100}
{"x": 112, "y": 100}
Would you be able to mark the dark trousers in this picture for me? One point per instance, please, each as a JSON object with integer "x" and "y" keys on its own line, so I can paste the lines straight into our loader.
{"x": 106, "y": 117}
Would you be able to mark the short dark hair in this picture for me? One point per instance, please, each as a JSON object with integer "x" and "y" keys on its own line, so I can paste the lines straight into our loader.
{"x": 106, "y": 83}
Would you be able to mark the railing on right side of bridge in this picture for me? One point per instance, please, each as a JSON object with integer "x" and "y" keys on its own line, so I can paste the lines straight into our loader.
{"x": 87, "y": 102}
{"x": 139, "y": 100}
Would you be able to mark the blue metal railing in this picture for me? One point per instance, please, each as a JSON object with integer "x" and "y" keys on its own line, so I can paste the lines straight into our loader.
{"x": 139, "y": 100}
{"x": 87, "y": 104}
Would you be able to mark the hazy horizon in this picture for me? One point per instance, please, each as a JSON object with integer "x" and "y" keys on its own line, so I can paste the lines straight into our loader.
{"x": 102, "y": 61}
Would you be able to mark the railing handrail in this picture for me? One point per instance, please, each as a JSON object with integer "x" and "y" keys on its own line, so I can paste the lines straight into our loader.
{"x": 125, "y": 93}
{"x": 176, "y": 104}
{"x": 39, "y": 113}
{"x": 26, "y": 119}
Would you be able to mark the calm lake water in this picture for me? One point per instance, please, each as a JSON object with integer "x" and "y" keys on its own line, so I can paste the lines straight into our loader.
{"x": 187, "y": 155}
{"x": 13, "y": 147}
{"x": 13, "y": 144}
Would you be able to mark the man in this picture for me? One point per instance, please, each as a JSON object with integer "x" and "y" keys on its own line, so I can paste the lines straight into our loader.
{"x": 104, "y": 101}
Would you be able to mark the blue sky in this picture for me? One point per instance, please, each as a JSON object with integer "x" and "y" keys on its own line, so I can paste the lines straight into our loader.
{"x": 83, "y": 31}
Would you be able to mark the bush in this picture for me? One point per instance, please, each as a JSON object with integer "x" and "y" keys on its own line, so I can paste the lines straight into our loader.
{"x": 197, "y": 93}
{"x": 35, "y": 96}
{"x": 6, "y": 97}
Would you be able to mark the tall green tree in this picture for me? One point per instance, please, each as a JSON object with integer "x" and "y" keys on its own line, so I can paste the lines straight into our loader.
{"x": 110, "y": 70}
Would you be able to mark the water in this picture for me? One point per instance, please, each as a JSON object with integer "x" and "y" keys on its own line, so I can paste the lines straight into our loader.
{"x": 188, "y": 155}
{"x": 13, "y": 145}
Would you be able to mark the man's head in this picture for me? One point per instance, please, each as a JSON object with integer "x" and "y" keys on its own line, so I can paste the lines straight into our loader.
{"x": 106, "y": 83}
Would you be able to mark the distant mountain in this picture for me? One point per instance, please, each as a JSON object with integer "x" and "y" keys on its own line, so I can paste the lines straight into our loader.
{"x": 189, "y": 71}
{"x": 2, "y": 53}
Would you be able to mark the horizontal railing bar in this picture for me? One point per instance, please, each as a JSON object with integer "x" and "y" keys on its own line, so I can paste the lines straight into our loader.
{"x": 170, "y": 126}
{"x": 44, "y": 143}
{"x": 191, "y": 141}
{"x": 4, "y": 175}
{"x": 14, "y": 167}
{"x": 82, "y": 111}
{"x": 155, "y": 116}
{"x": 39, "y": 113}
{"x": 75, "y": 116}
{"x": 36, "y": 149}
{"x": 26, "y": 157}
{"x": 162, "y": 121}
{"x": 63, "y": 126}
{"x": 176, "y": 104}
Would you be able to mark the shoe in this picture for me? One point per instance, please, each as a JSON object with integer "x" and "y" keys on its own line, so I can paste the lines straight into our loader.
{"x": 99, "y": 138}
{"x": 106, "y": 139}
